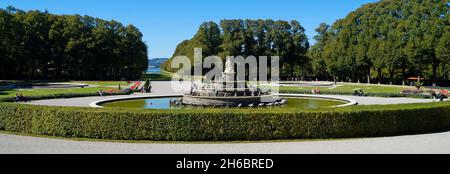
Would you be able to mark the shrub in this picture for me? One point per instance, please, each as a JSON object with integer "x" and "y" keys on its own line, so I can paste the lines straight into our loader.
{"x": 226, "y": 124}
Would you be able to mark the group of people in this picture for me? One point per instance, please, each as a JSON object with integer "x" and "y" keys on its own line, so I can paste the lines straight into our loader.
{"x": 359, "y": 93}
{"x": 435, "y": 95}
{"x": 146, "y": 90}
{"x": 20, "y": 98}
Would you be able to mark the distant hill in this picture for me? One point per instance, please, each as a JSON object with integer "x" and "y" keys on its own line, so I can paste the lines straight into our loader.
{"x": 156, "y": 62}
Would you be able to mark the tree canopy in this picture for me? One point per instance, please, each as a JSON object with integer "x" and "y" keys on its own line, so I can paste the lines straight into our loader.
{"x": 40, "y": 45}
{"x": 249, "y": 37}
{"x": 390, "y": 39}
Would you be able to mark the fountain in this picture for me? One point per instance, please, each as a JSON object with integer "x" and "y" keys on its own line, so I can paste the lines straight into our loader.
{"x": 228, "y": 92}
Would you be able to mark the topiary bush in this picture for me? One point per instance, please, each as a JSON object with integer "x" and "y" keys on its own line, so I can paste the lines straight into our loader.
{"x": 225, "y": 124}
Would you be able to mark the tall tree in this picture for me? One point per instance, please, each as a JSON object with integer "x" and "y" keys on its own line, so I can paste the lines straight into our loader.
{"x": 315, "y": 53}
{"x": 40, "y": 45}
{"x": 443, "y": 54}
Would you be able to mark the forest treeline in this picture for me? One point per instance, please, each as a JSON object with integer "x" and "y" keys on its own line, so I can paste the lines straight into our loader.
{"x": 286, "y": 39}
{"x": 386, "y": 41}
{"x": 39, "y": 45}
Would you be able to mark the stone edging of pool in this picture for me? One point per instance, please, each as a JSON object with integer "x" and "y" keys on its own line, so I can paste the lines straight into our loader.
{"x": 96, "y": 104}
{"x": 350, "y": 102}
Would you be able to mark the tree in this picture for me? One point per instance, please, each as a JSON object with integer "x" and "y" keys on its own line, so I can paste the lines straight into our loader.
{"x": 249, "y": 37}
{"x": 383, "y": 37}
{"x": 208, "y": 35}
{"x": 233, "y": 37}
{"x": 299, "y": 47}
{"x": 40, "y": 45}
{"x": 315, "y": 53}
{"x": 443, "y": 53}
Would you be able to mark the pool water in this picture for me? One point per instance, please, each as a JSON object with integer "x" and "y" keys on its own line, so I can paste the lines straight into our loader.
{"x": 163, "y": 103}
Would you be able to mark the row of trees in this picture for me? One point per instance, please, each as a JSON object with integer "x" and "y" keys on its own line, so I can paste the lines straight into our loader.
{"x": 40, "y": 45}
{"x": 250, "y": 37}
{"x": 386, "y": 41}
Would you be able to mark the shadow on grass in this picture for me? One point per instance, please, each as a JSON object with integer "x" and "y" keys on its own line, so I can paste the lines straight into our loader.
{"x": 13, "y": 84}
{"x": 5, "y": 91}
{"x": 156, "y": 77}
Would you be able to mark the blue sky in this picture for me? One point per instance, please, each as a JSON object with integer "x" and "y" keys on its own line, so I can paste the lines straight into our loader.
{"x": 165, "y": 23}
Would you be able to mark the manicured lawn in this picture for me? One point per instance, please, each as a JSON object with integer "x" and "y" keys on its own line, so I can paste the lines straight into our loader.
{"x": 162, "y": 76}
{"x": 22, "y": 82}
{"x": 42, "y": 92}
{"x": 351, "y": 88}
{"x": 104, "y": 83}
{"x": 101, "y": 85}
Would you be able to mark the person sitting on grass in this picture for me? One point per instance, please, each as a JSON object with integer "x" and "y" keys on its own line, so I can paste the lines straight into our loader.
{"x": 315, "y": 91}
{"x": 24, "y": 98}
{"x": 318, "y": 91}
{"x": 100, "y": 92}
{"x": 361, "y": 92}
{"x": 17, "y": 98}
{"x": 20, "y": 98}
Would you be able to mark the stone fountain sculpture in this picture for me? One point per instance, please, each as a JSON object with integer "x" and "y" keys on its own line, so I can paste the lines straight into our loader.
{"x": 225, "y": 92}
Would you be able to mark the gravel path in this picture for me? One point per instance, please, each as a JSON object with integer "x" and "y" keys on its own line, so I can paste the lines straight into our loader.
{"x": 416, "y": 144}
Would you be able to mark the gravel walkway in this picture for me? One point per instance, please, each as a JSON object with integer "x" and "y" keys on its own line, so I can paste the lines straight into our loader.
{"x": 438, "y": 143}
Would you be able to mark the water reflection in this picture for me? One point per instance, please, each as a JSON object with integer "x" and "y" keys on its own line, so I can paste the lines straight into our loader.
{"x": 163, "y": 103}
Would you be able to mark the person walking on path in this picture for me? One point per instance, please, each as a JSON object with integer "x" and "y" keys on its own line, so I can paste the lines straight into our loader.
{"x": 441, "y": 97}
{"x": 149, "y": 90}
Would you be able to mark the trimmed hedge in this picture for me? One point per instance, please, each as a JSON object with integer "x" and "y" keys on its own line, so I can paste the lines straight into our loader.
{"x": 226, "y": 124}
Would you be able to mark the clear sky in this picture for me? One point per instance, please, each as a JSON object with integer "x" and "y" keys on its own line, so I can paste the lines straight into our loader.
{"x": 165, "y": 23}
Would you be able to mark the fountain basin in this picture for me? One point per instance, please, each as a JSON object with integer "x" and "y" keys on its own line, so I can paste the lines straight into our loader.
{"x": 295, "y": 101}
{"x": 226, "y": 101}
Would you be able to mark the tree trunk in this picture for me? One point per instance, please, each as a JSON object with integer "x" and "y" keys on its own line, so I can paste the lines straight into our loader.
{"x": 444, "y": 72}
{"x": 379, "y": 76}
{"x": 391, "y": 77}
{"x": 435, "y": 66}
{"x": 292, "y": 70}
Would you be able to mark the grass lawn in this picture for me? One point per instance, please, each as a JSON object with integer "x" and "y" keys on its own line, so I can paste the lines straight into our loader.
{"x": 104, "y": 83}
{"x": 351, "y": 88}
{"x": 162, "y": 76}
{"x": 42, "y": 92}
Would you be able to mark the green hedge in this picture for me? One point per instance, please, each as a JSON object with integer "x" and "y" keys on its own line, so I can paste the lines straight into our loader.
{"x": 227, "y": 124}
